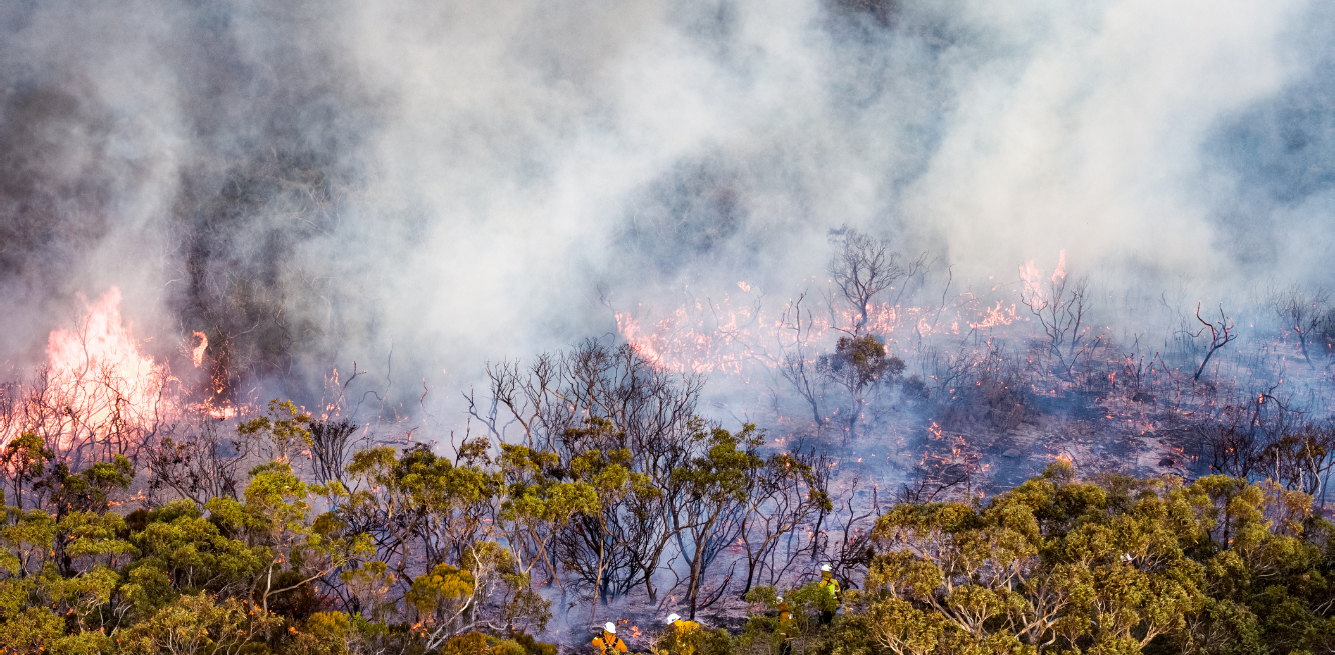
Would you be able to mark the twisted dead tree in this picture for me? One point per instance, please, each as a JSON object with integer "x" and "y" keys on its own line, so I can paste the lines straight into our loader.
{"x": 1221, "y": 333}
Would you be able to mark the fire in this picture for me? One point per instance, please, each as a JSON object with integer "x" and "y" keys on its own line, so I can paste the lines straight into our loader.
{"x": 995, "y": 316}
{"x": 197, "y": 354}
{"x": 629, "y": 328}
{"x": 101, "y": 365}
{"x": 99, "y": 392}
{"x": 1032, "y": 279}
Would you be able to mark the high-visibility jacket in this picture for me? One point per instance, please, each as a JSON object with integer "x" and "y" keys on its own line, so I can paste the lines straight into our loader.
{"x": 609, "y": 644}
{"x": 785, "y": 619}
{"x": 680, "y": 637}
{"x": 832, "y": 588}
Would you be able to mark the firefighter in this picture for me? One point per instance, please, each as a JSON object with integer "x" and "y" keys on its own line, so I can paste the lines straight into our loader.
{"x": 831, "y": 587}
{"x": 609, "y": 643}
{"x": 679, "y": 638}
{"x": 785, "y": 626}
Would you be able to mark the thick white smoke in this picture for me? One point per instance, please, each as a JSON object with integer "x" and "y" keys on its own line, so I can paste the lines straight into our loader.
{"x": 470, "y": 180}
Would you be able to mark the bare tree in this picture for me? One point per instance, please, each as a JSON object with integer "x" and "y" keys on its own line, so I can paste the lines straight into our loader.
{"x": 639, "y": 409}
{"x": 864, "y": 266}
{"x": 1221, "y": 333}
{"x": 795, "y": 364}
{"x": 784, "y": 495}
{"x": 329, "y": 448}
{"x": 1060, "y": 307}
{"x": 1304, "y": 315}
{"x": 843, "y": 538}
{"x": 196, "y": 463}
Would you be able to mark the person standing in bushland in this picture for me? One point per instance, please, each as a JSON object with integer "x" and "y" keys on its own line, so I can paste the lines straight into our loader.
{"x": 680, "y": 636}
{"x": 831, "y": 587}
{"x": 785, "y": 627}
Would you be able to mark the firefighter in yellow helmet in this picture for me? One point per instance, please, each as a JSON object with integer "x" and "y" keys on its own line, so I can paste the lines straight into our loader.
{"x": 609, "y": 643}
{"x": 831, "y": 587}
{"x": 680, "y": 637}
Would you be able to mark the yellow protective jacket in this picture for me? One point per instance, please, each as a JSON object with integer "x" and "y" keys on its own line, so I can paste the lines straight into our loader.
{"x": 609, "y": 644}
{"x": 681, "y": 637}
{"x": 832, "y": 587}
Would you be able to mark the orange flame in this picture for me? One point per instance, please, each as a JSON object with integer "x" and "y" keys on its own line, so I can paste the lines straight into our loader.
{"x": 101, "y": 363}
{"x": 197, "y": 354}
{"x": 98, "y": 385}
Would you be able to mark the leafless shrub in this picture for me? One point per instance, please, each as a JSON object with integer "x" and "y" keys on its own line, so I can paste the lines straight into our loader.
{"x": 1243, "y": 439}
{"x": 1137, "y": 376}
{"x": 329, "y": 448}
{"x": 1060, "y": 306}
{"x": 944, "y": 372}
{"x": 993, "y": 387}
{"x": 946, "y": 469}
{"x": 196, "y": 463}
{"x": 1303, "y": 314}
{"x": 1221, "y": 334}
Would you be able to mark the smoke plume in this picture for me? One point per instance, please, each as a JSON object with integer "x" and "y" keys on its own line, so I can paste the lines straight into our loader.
{"x": 421, "y": 186}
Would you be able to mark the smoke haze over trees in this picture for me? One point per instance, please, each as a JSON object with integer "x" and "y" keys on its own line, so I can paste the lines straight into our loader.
{"x": 1018, "y": 315}
{"x": 308, "y": 183}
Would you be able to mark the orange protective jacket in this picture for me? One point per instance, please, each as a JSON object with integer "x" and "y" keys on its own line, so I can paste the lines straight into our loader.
{"x": 608, "y": 644}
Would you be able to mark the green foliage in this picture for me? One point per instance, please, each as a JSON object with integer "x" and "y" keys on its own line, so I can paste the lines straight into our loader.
{"x": 284, "y": 427}
{"x": 199, "y": 624}
{"x": 424, "y": 553}
{"x": 690, "y": 638}
{"x": 1061, "y": 565}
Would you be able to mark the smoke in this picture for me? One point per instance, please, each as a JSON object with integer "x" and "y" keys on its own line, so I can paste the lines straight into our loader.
{"x": 422, "y": 186}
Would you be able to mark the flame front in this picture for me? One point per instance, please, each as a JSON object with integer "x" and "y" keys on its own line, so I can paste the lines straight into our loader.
{"x": 100, "y": 368}
{"x": 99, "y": 392}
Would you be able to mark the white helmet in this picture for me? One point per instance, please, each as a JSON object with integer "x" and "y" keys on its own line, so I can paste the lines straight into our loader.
{"x": 610, "y": 627}
{"x": 779, "y": 598}
{"x": 825, "y": 568}
{"x": 672, "y": 618}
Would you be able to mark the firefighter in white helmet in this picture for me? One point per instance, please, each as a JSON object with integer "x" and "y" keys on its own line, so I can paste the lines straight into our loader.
{"x": 680, "y": 637}
{"x": 836, "y": 595}
{"x": 785, "y": 626}
{"x": 609, "y": 643}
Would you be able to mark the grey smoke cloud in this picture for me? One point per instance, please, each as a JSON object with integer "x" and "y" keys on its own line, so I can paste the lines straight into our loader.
{"x": 466, "y": 181}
